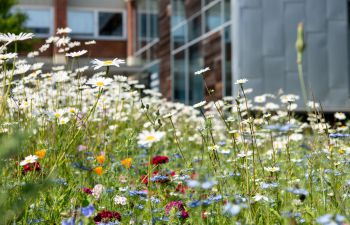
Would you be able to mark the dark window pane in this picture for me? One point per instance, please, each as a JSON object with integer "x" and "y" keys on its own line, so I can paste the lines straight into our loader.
{"x": 179, "y": 72}
{"x": 227, "y": 8}
{"x": 179, "y": 36}
{"x": 39, "y": 30}
{"x": 196, "y": 82}
{"x": 213, "y": 17}
{"x": 194, "y": 28}
{"x": 178, "y": 12}
{"x": 110, "y": 24}
{"x": 228, "y": 62}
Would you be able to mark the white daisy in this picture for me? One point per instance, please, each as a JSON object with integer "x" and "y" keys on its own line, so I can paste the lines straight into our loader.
{"x": 92, "y": 42}
{"x": 8, "y": 56}
{"x": 147, "y": 138}
{"x": 340, "y": 116}
{"x": 199, "y": 104}
{"x": 241, "y": 81}
{"x": 65, "y": 30}
{"x": 76, "y": 54}
{"x": 199, "y": 72}
{"x": 115, "y": 62}
{"x": 120, "y": 200}
{"x": 99, "y": 81}
{"x": 272, "y": 169}
{"x": 13, "y": 37}
{"x": 259, "y": 197}
{"x": 29, "y": 159}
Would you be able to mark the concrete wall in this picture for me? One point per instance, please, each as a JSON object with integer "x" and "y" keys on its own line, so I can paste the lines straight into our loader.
{"x": 264, "y": 47}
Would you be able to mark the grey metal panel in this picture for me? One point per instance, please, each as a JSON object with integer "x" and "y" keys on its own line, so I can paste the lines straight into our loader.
{"x": 315, "y": 11}
{"x": 273, "y": 43}
{"x": 338, "y": 54}
{"x": 292, "y": 84}
{"x": 326, "y": 57}
{"x": 316, "y": 53}
{"x": 336, "y": 9}
{"x": 257, "y": 84}
{"x": 251, "y": 43}
{"x": 336, "y": 98}
{"x": 274, "y": 74}
{"x": 294, "y": 13}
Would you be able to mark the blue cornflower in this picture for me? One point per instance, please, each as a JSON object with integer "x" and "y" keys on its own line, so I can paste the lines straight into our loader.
{"x": 159, "y": 178}
{"x": 88, "y": 210}
{"x": 139, "y": 193}
{"x": 231, "y": 209}
{"x": 338, "y": 135}
{"x": 330, "y": 219}
{"x": 194, "y": 204}
{"x": 71, "y": 221}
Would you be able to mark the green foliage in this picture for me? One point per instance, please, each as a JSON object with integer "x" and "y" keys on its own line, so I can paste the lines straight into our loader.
{"x": 13, "y": 21}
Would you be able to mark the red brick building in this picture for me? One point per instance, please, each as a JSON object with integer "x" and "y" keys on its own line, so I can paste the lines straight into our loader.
{"x": 164, "y": 41}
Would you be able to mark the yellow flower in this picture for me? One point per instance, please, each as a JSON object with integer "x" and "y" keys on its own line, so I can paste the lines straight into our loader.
{"x": 101, "y": 159}
{"x": 341, "y": 151}
{"x": 41, "y": 153}
{"x": 127, "y": 162}
{"x": 98, "y": 170}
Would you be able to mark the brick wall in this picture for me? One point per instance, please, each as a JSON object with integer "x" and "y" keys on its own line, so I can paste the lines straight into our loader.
{"x": 164, "y": 49}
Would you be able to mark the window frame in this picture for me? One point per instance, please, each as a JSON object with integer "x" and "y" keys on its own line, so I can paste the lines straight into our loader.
{"x": 22, "y": 8}
{"x": 96, "y": 12}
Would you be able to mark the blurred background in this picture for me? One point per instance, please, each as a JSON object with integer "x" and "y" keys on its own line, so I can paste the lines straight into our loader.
{"x": 166, "y": 41}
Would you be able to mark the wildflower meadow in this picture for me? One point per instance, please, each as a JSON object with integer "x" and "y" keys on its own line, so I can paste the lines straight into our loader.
{"x": 102, "y": 149}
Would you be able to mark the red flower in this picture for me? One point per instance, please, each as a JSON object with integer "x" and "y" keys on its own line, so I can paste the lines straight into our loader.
{"x": 87, "y": 190}
{"x": 30, "y": 167}
{"x": 107, "y": 216}
{"x": 159, "y": 159}
{"x": 179, "y": 206}
{"x": 181, "y": 188}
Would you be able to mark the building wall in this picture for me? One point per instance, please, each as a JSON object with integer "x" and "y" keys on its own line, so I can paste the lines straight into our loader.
{"x": 264, "y": 38}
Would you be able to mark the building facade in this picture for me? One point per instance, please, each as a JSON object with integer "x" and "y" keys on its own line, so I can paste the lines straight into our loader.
{"x": 166, "y": 41}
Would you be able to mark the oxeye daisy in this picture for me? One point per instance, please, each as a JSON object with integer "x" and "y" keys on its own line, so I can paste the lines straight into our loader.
{"x": 14, "y": 37}
{"x": 65, "y": 30}
{"x": 115, "y": 62}
{"x": 241, "y": 81}
{"x": 99, "y": 81}
{"x": 147, "y": 138}
{"x": 76, "y": 54}
{"x": 29, "y": 159}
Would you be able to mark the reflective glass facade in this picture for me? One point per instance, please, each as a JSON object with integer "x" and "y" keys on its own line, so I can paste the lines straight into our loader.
{"x": 200, "y": 37}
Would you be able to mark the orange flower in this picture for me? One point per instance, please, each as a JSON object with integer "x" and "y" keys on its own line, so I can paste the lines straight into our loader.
{"x": 101, "y": 159}
{"x": 98, "y": 170}
{"x": 41, "y": 153}
{"x": 126, "y": 162}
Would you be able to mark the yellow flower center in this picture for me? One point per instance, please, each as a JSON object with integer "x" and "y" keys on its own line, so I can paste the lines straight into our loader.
{"x": 107, "y": 63}
{"x": 100, "y": 83}
{"x": 150, "y": 138}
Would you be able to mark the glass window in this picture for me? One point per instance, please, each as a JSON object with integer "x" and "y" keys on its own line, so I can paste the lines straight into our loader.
{"x": 81, "y": 22}
{"x": 39, "y": 20}
{"x": 227, "y": 10}
{"x": 110, "y": 24}
{"x": 148, "y": 25}
{"x": 194, "y": 28}
{"x": 179, "y": 77}
{"x": 228, "y": 62}
{"x": 196, "y": 90}
{"x": 213, "y": 17}
{"x": 178, "y": 12}
{"x": 179, "y": 36}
